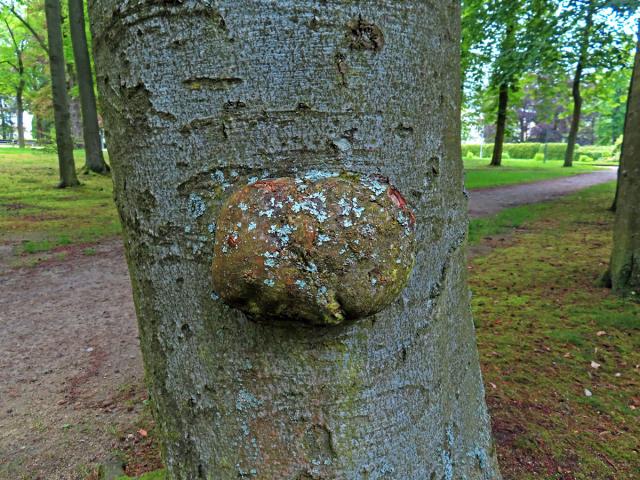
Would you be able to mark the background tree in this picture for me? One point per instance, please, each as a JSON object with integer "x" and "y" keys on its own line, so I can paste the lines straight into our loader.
{"x": 64, "y": 141}
{"x": 12, "y": 53}
{"x": 509, "y": 39}
{"x": 91, "y": 131}
{"x": 597, "y": 38}
{"x": 397, "y": 395}
{"x": 624, "y": 268}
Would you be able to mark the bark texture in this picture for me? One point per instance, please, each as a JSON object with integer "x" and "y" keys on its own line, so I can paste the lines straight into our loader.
{"x": 625, "y": 258}
{"x": 90, "y": 129}
{"x": 501, "y": 125}
{"x": 64, "y": 141}
{"x": 202, "y": 98}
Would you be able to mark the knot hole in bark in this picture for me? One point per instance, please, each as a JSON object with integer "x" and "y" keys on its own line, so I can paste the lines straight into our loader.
{"x": 365, "y": 35}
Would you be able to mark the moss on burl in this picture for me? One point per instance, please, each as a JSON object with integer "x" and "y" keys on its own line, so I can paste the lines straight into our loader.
{"x": 322, "y": 248}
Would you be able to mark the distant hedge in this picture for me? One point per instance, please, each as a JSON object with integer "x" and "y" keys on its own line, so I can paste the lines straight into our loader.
{"x": 528, "y": 151}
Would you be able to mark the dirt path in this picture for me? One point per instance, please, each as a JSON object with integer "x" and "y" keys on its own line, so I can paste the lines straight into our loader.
{"x": 70, "y": 367}
{"x": 491, "y": 200}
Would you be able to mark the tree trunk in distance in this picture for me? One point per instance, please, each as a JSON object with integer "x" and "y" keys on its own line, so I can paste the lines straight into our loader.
{"x": 624, "y": 269}
{"x": 20, "y": 112}
{"x": 575, "y": 88}
{"x": 64, "y": 141}
{"x": 90, "y": 129}
{"x": 575, "y": 117}
{"x": 200, "y": 100}
{"x": 501, "y": 125}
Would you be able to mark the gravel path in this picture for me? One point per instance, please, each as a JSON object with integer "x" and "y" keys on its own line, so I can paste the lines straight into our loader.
{"x": 491, "y": 200}
{"x": 69, "y": 349}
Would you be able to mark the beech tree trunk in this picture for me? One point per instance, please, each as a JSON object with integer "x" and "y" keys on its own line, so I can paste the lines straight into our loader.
{"x": 501, "y": 126}
{"x": 624, "y": 270}
{"x": 64, "y": 141}
{"x": 575, "y": 89}
{"x": 90, "y": 128}
{"x": 200, "y": 100}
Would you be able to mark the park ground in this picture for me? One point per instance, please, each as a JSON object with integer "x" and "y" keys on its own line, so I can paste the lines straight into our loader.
{"x": 560, "y": 355}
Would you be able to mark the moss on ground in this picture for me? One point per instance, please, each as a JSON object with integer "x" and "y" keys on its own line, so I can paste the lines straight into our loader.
{"x": 542, "y": 320}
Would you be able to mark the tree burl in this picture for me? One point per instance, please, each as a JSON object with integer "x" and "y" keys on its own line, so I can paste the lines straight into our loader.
{"x": 320, "y": 248}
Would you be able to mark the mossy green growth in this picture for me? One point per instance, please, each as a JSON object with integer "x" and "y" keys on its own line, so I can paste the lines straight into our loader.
{"x": 321, "y": 248}
{"x": 157, "y": 475}
{"x": 560, "y": 354}
{"x": 42, "y": 217}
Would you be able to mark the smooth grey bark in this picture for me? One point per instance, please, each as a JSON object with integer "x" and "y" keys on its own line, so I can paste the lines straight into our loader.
{"x": 201, "y": 97}
{"x": 575, "y": 87}
{"x": 64, "y": 141}
{"x": 624, "y": 268}
{"x": 90, "y": 128}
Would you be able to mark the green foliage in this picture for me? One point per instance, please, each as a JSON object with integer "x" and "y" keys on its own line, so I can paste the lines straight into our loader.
{"x": 522, "y": 150}
{"x": 528, "y": 151}
{"x": 157, "y": 475}
{"x": 555, "y": 151}
{"x": 592, "y": 153}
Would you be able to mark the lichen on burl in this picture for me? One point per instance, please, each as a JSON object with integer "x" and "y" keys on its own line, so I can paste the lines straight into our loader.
{"x": 322, "y": 248}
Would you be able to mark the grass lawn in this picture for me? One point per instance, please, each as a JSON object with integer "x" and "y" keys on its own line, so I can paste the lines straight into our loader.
{"x": 560, "y": 355}
{"x": 43, "y": 217}
{"x": 479, "y": 175}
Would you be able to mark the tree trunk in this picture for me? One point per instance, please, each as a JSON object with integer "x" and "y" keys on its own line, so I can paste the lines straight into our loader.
{"x": 90, "y": 129}
{"x": 201, "y": 100}
{"x": 624, "y": 270}
{"x": 501, "y": 125}
{"x": 20, "y": 112}
{"x": 59, "y": 92}
{"x": 575, "y": 89}
{"x": 575, "y": 118}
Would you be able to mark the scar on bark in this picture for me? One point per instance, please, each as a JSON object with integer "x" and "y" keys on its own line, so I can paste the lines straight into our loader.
{"x": 199, "y": 83}
{"x": 365, "y": 35}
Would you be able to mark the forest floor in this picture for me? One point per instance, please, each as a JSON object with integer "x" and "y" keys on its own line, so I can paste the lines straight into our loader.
{"x": 71, "y": 380}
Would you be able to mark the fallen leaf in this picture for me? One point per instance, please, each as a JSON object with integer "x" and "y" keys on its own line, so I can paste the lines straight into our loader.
{"x": 142, "y": 432}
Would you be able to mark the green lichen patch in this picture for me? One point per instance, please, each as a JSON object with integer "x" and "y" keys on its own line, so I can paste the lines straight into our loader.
{"x": 320, "y": 248}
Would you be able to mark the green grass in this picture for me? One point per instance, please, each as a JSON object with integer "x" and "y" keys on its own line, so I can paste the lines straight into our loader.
{"x": 510, "y": 218}
{"x": 541, "y": 320}
{"x": 42, "y": 217}
{"x": 479, "y": 175}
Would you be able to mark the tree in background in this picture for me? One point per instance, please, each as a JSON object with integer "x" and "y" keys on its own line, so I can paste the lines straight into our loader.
{"x": 64, "y": 141}
{"x": 397, "y": 395}
{"x": 509, "y": 39}
{"x": 91, "y": 131}
{"x": 14, "y": 58}
{"x": 624, "y": 268}
{"x": 596, "y": 35}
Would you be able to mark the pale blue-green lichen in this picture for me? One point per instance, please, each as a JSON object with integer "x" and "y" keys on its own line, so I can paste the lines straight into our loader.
{"x": 197, "y": 207}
